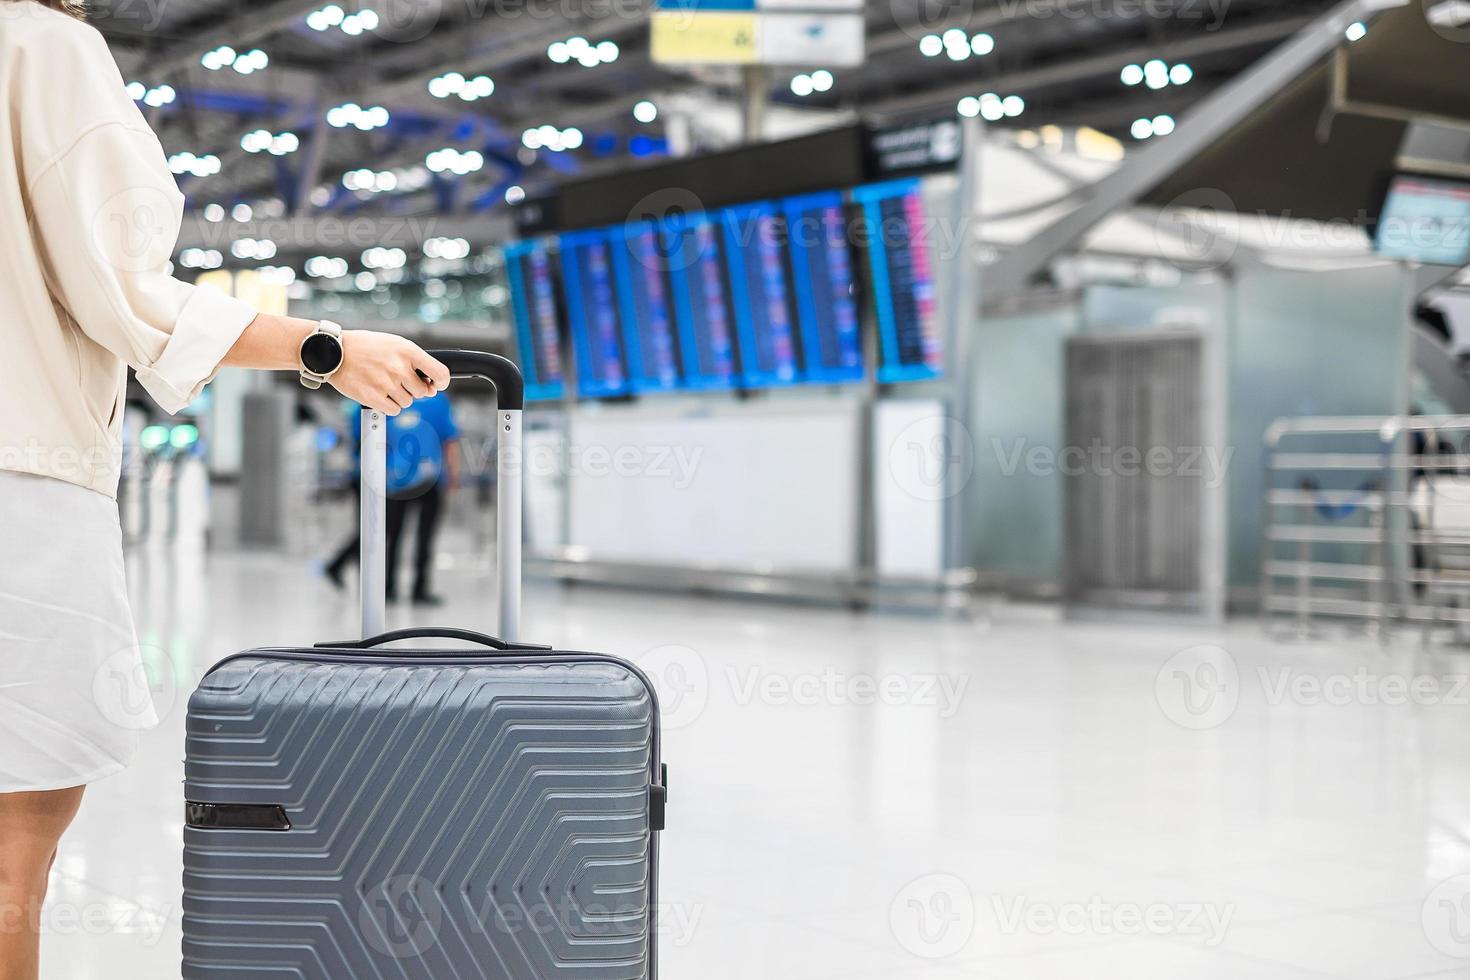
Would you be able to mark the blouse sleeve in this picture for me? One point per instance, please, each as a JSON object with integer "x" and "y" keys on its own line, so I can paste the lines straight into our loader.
{"x": 106, "y": 215}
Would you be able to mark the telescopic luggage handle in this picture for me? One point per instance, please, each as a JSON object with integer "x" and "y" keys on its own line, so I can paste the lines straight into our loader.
{"x": 510, "y": 394}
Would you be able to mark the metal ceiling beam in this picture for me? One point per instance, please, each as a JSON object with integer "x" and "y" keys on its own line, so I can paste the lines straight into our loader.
{"x": 1208, "y": 121}
{"x": 244, "y": 30}
{"x": 1104, "y": 63}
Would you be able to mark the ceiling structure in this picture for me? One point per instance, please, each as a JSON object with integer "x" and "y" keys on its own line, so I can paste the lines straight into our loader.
{"x": 1063, "y": 58}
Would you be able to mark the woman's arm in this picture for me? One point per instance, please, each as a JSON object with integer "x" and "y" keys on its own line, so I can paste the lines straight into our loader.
{"x": 106, "y": 214}
{"x": 379, "y": 370}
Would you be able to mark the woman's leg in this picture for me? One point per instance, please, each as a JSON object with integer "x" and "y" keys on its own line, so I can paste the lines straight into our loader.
{"x": 31, "y": 825}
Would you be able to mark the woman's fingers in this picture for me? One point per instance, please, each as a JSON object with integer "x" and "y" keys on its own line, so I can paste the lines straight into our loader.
{"x": 400, "y": 398}
{"x": 431, "y": 368}
{"x": 417, "y": 387}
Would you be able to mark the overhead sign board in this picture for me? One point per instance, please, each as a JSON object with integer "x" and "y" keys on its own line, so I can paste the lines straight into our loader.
{"x": 723, "y": 38}
{"x": 913, "y": 148}
{"x": 832, "y": 40}
{"x": 811, "y": 6}
{"x": 773, "y": 32}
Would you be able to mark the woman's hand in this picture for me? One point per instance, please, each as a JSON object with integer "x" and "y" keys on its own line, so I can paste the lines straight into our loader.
{"x": 379, "y": 370}
{"x": 383, "y": 371}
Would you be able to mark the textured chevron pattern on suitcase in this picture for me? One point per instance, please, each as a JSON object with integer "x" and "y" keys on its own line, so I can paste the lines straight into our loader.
{"x": 482, "y": 821}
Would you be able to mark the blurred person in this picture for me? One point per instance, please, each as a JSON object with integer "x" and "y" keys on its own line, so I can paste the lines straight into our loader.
{"x": 423, "y": 468}
{"x": 89, "y": 217}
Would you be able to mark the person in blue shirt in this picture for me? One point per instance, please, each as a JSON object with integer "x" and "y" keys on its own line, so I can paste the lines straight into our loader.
{"x": 423, "y": 467}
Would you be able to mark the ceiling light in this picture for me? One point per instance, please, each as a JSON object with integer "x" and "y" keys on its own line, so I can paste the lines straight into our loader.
{"x": 1013, "y": 105}
{"x": 199, "y": 166}
{"x": 446, "y": 248}
{"x": 969, "y": 107}
{"x": 1180, "y": 74}
{"x": 982, "y": 44}
{"x": 1142, "y": 129}
{"x": 1131, "y": 74}
{"x": 242, "y": 213}
{"x": 822, "y": 80}
{"x": 645, "y": 111}
{"x": 353, "y": 114}
{"x": 1356, "y": 30}
{"x": 802, "y": 86}
{"x": 1155, "y": 74}
{"x": 451, "y": 160}
{"x": 156, "y": 98}
{"x": 515, "y": 194}
{"x": 583, "y": 52}
{"x": 323, "y": 267}
{"x": 214, "y": 213}
{"x": 931, "y": 46}
{"x": 136, "y": 91}
{"x": 353, "y": 25}
{"x": 1163, "y": 125}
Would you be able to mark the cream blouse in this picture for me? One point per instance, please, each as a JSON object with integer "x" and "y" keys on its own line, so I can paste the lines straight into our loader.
{"x": 89, "y": 217}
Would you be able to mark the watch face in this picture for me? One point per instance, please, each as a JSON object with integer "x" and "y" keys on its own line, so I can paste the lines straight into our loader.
{"x": 321, "y": 353}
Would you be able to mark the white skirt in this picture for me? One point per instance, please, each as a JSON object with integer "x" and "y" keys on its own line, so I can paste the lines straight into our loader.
{"x": 74, "y": 692}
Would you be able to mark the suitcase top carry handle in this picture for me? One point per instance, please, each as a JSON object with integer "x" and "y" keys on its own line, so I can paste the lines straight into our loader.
{"x": 510, "y": 395}
{"x": 433, "y": 632}
{"x": 510, "y": 386}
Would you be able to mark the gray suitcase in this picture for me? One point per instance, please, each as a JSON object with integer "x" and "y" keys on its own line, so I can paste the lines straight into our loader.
{"x": 357, "y": 811}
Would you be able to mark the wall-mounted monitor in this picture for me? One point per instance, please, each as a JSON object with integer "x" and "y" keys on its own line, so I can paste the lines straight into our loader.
{"x": 646, "y": 306}
{"x": 695, "y": 251}
{"x": 538, "y": 325}
{"x": 1424, "y": 219}
{"x": 822, "y": 281}
{"x": 760, "y": 293}
{"x": 902, "y": 270}
{"x": 592, "y": 313}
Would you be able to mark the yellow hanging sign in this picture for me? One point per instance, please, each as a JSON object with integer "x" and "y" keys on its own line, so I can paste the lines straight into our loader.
{"x": 704, "y": 38}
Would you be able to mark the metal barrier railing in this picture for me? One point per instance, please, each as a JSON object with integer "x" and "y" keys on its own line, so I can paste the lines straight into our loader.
{"x": 1366, "y": 518}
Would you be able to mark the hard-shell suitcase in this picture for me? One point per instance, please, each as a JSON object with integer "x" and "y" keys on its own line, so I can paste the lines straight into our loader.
{"x": 357, "y": 811}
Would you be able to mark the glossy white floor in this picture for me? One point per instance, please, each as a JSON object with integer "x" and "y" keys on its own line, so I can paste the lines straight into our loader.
{"x": 896, "y": 797}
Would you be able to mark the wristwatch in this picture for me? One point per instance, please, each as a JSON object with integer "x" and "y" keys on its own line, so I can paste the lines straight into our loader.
{"x": 321, "y": 354}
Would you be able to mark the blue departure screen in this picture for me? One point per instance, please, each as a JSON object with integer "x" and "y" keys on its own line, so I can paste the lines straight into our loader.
{"x": 903, "y": 281}
{"x": 701, "y": 301}
{"x": 645, "y": 304}
{"x": 538, "y": 329}
{"x": 1425, "y": 220}
{"x": 821, "y": 265}
{"x": 587, "y": 278}
{"x": 761, "y": 295}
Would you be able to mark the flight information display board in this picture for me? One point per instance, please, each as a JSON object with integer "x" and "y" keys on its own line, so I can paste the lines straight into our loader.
{"x": 822, "y": 276}
{"x": 1424, "y": 219}
{"x": 645, "y": 303}
{"x": 592, "y": 313}
{"x": 701, "y": 301}
{"x": 538, "y": 328}
{"x": 902, "y": 271}
{"x": 760, "y": 295}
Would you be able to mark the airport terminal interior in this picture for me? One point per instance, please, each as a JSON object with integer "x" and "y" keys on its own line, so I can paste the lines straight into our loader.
{"x": 1025, "y": 444}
